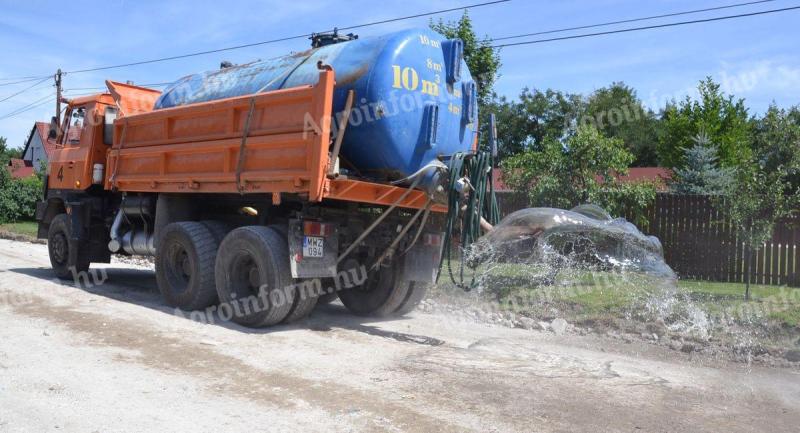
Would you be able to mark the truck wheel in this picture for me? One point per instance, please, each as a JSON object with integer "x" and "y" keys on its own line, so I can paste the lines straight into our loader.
{"x": 218, "y": 229}
{"x": 254, "y": 281}
{"x": 66, "y": 262}
{"x": 304, "y": 300}
{"x": 185, "y": 266}
{"x": 380, "y": 295}
{"x": 416, "y": 293}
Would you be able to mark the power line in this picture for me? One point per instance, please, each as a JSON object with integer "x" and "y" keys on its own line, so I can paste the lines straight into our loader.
{"x": 659, "y": 26}
{"x": 24, "y": 90}
{"x": 105, "y": 88}
{"x": 31, "y": 106}
{"x": 271, "y": 41}
{"x": 632, "y": 20}
{"x": 421, "y": 15}
{"x": 22, "y": 80}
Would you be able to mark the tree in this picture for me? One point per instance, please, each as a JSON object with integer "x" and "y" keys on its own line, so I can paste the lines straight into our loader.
{"x": 538, "y": 117}
{"x": 794, "y": 115}
{"x": 482, "y": 59}
{"x": 701, "y": 173}
{"x": 724, "y": 119}
{"x": 618, "y": 112}
{"x": 754, "y": 203}
{"x": 777, "y": 144}
{"x": 582, "y": 169}
{"x": 766, "y": 186}
{"x": 541, "y": 115}
{"x": 6, "y": 154}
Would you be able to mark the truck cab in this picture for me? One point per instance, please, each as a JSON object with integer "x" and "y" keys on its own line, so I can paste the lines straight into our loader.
{"x": 80, "y": 144}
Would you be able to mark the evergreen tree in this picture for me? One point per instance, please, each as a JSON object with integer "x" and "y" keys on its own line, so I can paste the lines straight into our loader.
{"x": 701, "y": 173}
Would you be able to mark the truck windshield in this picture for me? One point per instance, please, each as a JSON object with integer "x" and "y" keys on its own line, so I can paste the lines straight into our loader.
{"x": 75, "y": 125}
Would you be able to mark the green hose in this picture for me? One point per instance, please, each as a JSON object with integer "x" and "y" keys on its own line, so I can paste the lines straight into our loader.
{"x": 480, "y": 202}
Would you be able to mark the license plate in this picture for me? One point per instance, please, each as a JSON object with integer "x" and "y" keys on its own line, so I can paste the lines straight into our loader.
{"x": 313, "y": 246}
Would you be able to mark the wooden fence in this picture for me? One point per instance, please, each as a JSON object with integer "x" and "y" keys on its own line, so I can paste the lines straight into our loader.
{"x": 699, "y": 242}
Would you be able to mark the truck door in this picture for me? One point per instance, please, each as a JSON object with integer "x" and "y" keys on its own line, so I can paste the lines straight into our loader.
{"x": 68, "y": 165}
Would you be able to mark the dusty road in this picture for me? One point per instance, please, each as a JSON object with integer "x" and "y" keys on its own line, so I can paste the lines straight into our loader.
{"x": 111, "y": 358}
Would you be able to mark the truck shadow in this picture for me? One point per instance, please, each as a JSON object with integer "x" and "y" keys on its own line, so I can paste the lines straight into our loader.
{"x": 138, "y": 287}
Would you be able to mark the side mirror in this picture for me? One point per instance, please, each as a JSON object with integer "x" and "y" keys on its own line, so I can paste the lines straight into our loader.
{"x": 493, "y": 134}
{"x": 53, "y": 132}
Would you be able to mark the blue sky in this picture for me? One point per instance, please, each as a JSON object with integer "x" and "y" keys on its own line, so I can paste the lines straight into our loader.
{"x": 755, "y": 58}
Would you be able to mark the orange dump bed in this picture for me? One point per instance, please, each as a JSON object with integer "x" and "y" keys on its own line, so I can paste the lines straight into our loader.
{"x": 200, "y": 148}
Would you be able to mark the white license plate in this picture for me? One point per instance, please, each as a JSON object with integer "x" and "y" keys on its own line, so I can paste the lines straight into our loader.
{"x": 313, "y": 246}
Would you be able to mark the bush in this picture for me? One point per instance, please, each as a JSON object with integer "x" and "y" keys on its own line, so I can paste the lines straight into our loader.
{"x": 579, "y": 170}
{"x": 18, "y": 197}
{"x": 630, "y": 200}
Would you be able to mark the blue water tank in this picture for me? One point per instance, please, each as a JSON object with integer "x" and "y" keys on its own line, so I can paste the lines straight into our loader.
{"x": 415, "y": 100}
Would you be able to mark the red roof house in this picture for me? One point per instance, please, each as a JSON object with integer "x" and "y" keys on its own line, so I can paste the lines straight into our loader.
{"x": 659, "y": 176}
{"x": 37, "y": 151}
{"x": 20, "y": 168}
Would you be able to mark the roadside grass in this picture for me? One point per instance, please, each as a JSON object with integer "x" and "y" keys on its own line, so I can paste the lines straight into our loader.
{"x": 777, "y": 303}
{"x": 590, "y": 295}
{"x": 24, "y": 228}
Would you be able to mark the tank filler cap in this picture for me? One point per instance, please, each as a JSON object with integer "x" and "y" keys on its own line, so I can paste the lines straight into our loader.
{"x": 330, "y": 38}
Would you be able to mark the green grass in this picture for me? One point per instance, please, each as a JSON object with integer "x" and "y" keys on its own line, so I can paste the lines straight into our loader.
{"x": 26, "y": 228}
{"x": 594, "y": 295}
{"x": 728, "y": 291}
{"x": 779, "y": 303}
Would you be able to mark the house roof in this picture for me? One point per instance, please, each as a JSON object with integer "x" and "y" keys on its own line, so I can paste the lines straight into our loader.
{"x": 19, "y": 168}
{"x": 660, "y": 176}
{"x": 43, "y": 129}
{"x": 647, "y": 173}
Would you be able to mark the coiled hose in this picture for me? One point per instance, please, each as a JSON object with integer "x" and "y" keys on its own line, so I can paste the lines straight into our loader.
{"x": 464, "y": 213}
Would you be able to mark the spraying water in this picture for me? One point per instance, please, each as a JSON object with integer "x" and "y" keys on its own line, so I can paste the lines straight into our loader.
{"x": 581, "y": 269}
{"x": 585, "y": 237}
{"x": 548, "y": 263}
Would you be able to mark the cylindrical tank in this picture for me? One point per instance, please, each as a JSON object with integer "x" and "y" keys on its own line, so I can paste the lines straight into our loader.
{"x": 415, "y": 100}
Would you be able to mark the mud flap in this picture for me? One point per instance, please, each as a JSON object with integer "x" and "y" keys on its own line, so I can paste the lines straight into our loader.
{"x": 421, "y": 263}
{"x": 313, "y": 249}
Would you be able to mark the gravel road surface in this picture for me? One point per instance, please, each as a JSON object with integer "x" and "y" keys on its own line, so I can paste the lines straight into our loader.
{"x": 110, "y": 357}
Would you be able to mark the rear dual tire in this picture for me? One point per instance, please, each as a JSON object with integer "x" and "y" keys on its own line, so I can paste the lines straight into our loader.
{"x": 254, "y": 279}
{"x": 247, "y": 270}
{"x": 383, "y": 294}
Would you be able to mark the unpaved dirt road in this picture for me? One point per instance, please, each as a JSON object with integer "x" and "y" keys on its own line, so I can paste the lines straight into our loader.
{"x": 112, "y": 358}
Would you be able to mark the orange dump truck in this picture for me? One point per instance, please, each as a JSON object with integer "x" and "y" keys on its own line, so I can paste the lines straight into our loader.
{"x": 252, "y": 200}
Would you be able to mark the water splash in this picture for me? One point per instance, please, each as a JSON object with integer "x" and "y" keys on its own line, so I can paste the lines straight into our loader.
{"x": 583, "y": 238}
{"x": 557, "y": 262}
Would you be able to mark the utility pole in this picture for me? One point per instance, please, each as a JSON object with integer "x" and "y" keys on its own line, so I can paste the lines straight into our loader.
{"x": 58, "y": 98}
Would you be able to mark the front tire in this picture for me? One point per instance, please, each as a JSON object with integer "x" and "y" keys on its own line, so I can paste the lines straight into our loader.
{"x": 185, "y": 266}
{"x": 67, "y": 259}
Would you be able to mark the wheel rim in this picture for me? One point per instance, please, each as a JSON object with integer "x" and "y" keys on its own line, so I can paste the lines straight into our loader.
{"x": 373, "y": 280}
{"x": 245, "y": 276}
{"x": 178, "y": 268}
{"x": 60, "y": 248}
